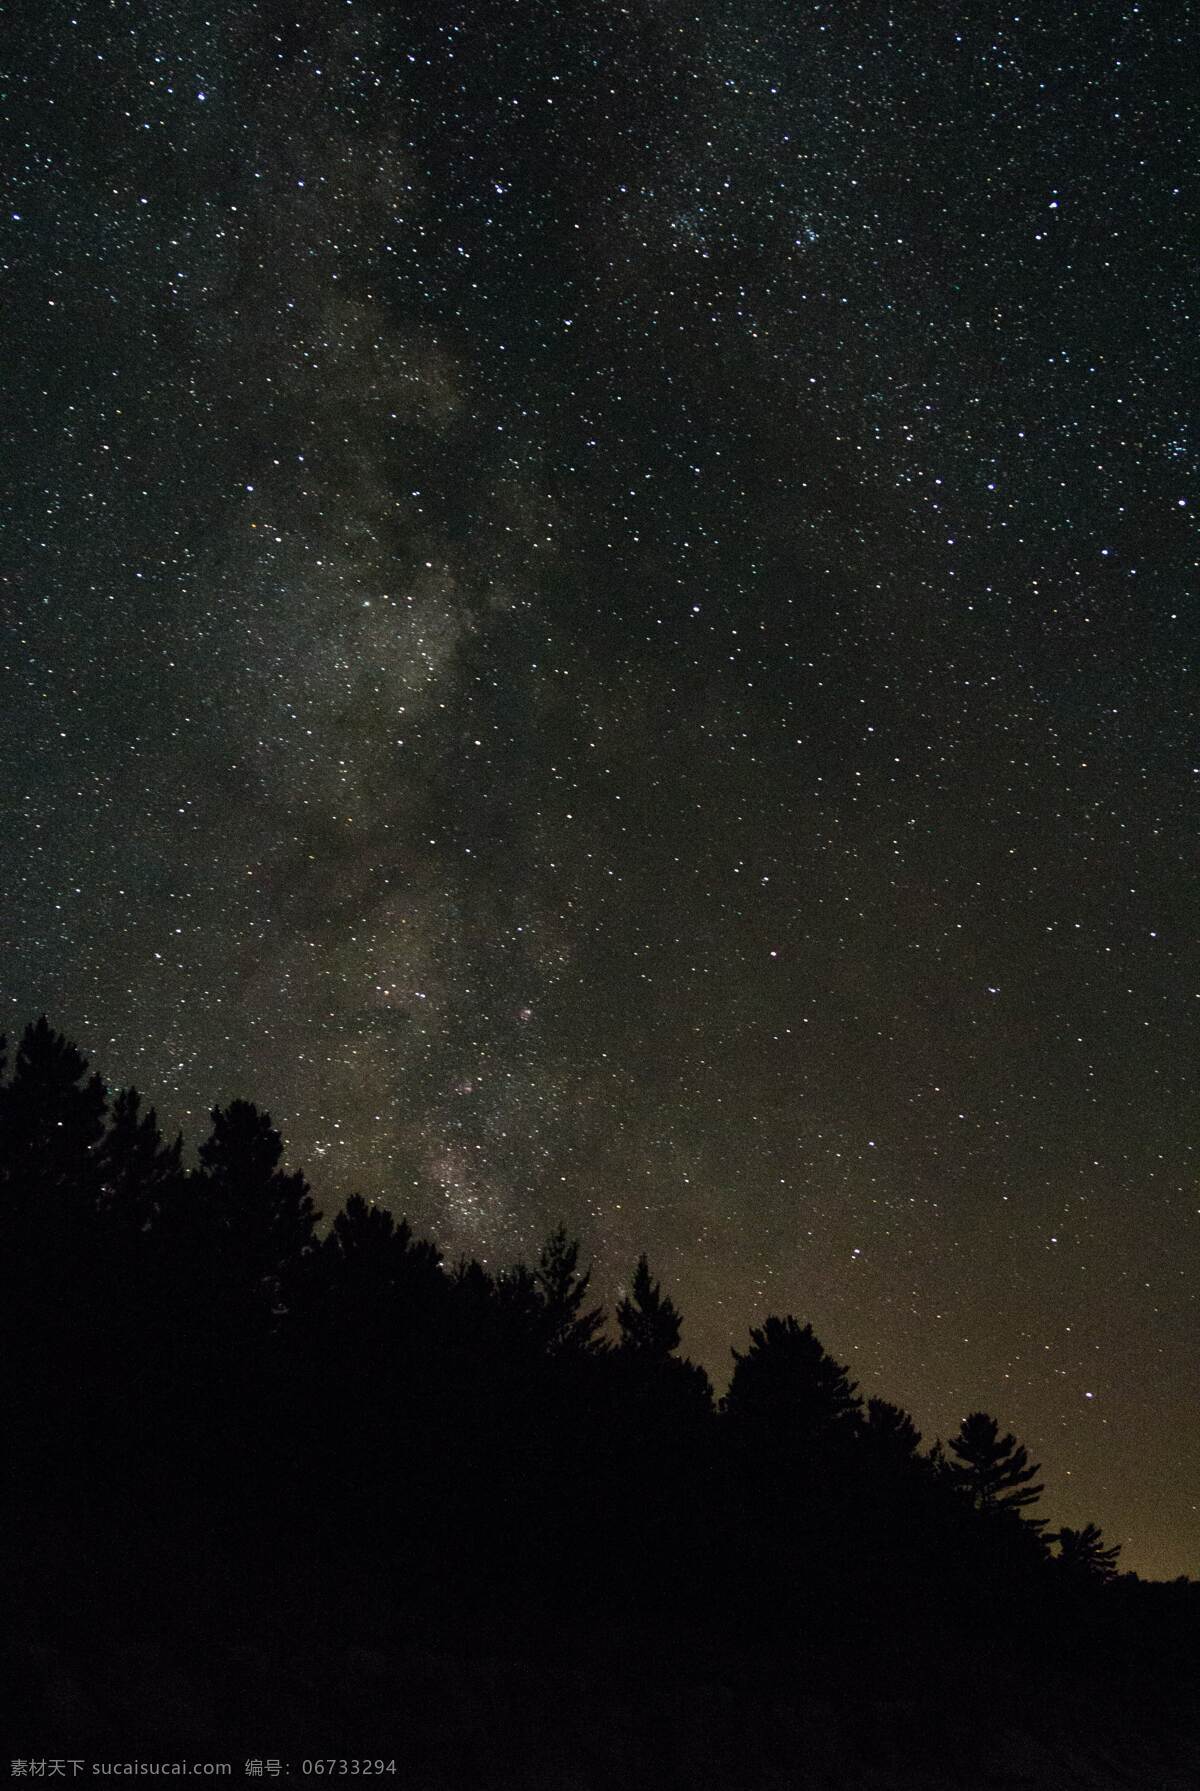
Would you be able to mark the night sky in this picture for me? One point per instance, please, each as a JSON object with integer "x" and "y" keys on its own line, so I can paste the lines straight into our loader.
{"x": 599, "y": 612}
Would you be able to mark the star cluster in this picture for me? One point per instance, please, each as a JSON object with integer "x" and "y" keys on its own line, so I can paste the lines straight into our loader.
{"x": 599, "y": 612}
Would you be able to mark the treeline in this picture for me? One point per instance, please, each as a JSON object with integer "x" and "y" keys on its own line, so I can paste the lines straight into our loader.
{"x": 189, "y": 1363}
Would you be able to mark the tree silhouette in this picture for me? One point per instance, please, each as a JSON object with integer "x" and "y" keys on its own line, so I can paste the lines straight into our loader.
{"x": 889, "y": 1436}
{"x": 376, "y": 1253}
{"x": 787, "y": 1437}
{"x": 51, "y": 1118}
{"x": 1083, "y": 1556}
{"x": 993, "y": 1471}
{"x": 649, "y": 1322}
{"x": 137, "y": 1173}
{"x": 565, "y": 1327}
{"x": 662, "y": 1391}
{"x": 787, "y": 1385}
{"x": 198, "y": 1387}
{"x": 259, "y": 1217}
{"x": 654, "y": 1436}
{"x": 368, "y": 1287}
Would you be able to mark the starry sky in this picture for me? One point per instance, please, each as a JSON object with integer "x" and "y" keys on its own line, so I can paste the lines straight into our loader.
{"x": 598, "y": 611}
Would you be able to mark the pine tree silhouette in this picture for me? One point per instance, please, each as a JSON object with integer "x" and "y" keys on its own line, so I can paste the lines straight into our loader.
{"x": 137, "y": 1173}
{"x": 787, "y": 1385}
{"x": 993, "y": 1471}
{"x": 565, "y": 1327}
{"x": 51, "y": 1118}
{"x": 649, "y": 1322}
{"x": 259, "y": 1217}
{"x": 1083, "y": 1556}
{"x": 371, "y": 1285}
{"x": 375, "y": 1251}
{"x": 200, "y": 1392}
{"x": 889, "y": 1436}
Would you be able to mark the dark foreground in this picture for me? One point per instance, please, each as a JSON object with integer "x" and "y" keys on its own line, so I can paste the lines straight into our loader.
{"x": 276, "y": 1495}
{"x": 120, "y": 1660}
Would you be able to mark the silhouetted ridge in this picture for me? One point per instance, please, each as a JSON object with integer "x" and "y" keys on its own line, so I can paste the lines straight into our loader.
{"x": 199, "y": 1386}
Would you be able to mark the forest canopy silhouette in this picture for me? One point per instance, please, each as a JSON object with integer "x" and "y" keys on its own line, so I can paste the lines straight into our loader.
{"x": 195, "y": 1375}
